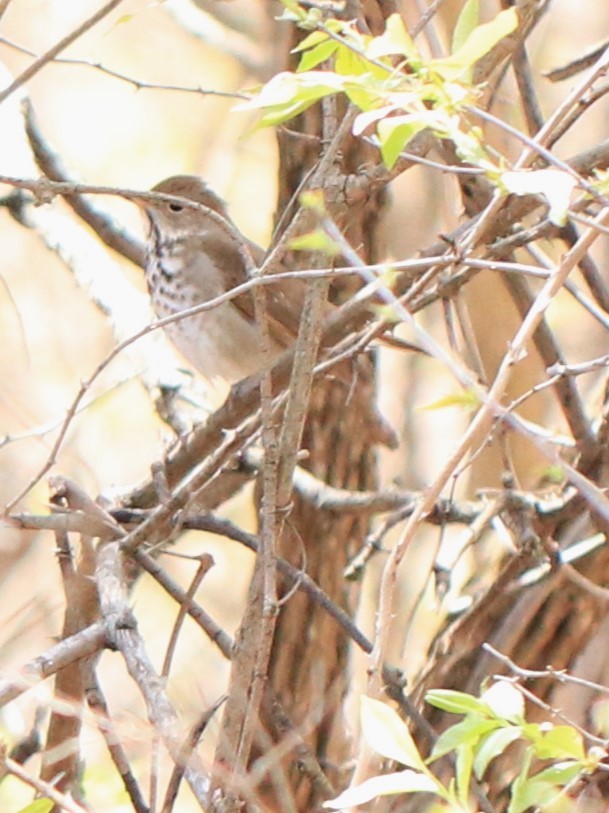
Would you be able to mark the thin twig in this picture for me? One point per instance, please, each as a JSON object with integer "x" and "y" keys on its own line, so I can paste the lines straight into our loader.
{"x": 50, "y": 55}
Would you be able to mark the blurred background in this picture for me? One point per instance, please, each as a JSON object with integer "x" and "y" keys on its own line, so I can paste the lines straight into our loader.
{"x": 52, "y": 336}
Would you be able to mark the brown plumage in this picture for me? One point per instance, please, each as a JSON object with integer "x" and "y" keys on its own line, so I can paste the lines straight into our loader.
{"x": 194, "y": 257}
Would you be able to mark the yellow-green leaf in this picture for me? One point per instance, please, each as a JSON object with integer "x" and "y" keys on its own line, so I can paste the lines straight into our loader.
{"x": 292, "y": 6}
{"x": 395, "y": 133}
{"x": 463, "y": 772}
{"x": 482, "y": 39}
{"x": 560, "y": 742}
{"x": 315, "y": 56}
{"x": 317, "y": 240}
{"x": 466, "y": 23}
{"x": 313, "y": 199}
{"x": 38, "y": 806}
{"x": 388, "y": 734}
{"x": 389, "y": 784}
{"x": 466, "y": 399}
{"x": 492, "y": 745}
{"x": 288, "y": 94}
{"x": 395, "y": 39}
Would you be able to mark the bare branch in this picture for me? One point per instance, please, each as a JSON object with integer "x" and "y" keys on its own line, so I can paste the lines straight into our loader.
{"x": 50, "y": 55}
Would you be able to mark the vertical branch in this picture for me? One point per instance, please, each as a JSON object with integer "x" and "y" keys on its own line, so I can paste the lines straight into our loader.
{"x": 254, "y": 638}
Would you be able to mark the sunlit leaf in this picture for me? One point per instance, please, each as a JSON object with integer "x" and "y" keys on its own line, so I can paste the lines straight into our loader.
{"x": 466, "y": 23}
{"x": 455, "y": 702}
{"x": 365, "y": 119}
{"x": 532, "y": 793}
{"x": 313, "y": 199}
{"x": 386, "y": 313}
{"x": 466, "y": 732}
{"x": 315, "y": 56}
{"x": 288, "y": 94}
{"x": 482, "y": 39}
{"x": 555, "y": 185}
{"x": 559, "y": 742}
{"x": 38, "y": 806}
{"x": 317, "y": 240}
{"x": 518, "y": 792}
{"x": 463, "y": 772}
{"x": 388, "y": 735}
{"x": 554, "y": 474}
{"x": 561, "y": 773}
{"x": 293, "y": 7}
{"x": 492, "y": 745}
{"x": 394, "y": 134}
{"x": 465, "y": 399}
{"x": 395, "y": 39}
{"x": 505, "y": 701}
{"x": 311, "y": 41}
{"x": 366, "y": 91}
{"x": 390, "y": 784}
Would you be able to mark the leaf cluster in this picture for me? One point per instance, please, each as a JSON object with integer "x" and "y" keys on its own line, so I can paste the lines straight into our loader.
{"x": 398, "y": 91}
{"x": 490, "y": 724}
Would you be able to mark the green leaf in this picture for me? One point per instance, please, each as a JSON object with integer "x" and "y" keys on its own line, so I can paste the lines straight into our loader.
{"x": 560, "y": 742}
{"x": 463, "y": 772}
{"x": 365, "y": 119}
{"x": 315, "y": 56}
{"x": 288, "y": 94}
{"x": 388, "y": 735}
{"x": 352, "y": 64}
{"x": 311, "y": 41}
{"x": 395, "y": 133}
{"x": 38, "y": 806}
{"x": 553, "y": 474}
{"x": 293, "y": 7}
{"x": 317, "y": 240}
{"x": 533, "y": 793}
{"x": 466, "y": 399}
{"x": 455, "y": 702}
{"x": 561, "y": 773}
{"x": 492, "y": 745}
{"x": 468, "y": 20}
{"x": 388, "y": 785}
{"x": 467, "y": 732}
{"x": 386, "y": 313}
{"x": 365, "y": 91}
{"x": 518, "y": 790}
{"x": 314, "y": 199}
{"x": 395, "y": 39}
{"x": 469, "y": 145}
{"x": 481, "y": 40}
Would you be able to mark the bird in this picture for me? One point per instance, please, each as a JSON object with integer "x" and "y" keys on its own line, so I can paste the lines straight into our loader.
{"x": 195, "y": 255}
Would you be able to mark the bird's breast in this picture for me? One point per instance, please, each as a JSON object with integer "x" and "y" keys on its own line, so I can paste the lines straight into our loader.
{"x": 220, "y": 341}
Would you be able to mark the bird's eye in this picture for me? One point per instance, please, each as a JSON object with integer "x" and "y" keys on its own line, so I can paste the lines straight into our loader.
{"x": 176, "y": 207}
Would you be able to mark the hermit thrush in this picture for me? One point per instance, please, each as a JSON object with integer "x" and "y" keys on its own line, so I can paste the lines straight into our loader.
{"x": 197, "y": 254}
{"x": 194, "y": 256}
